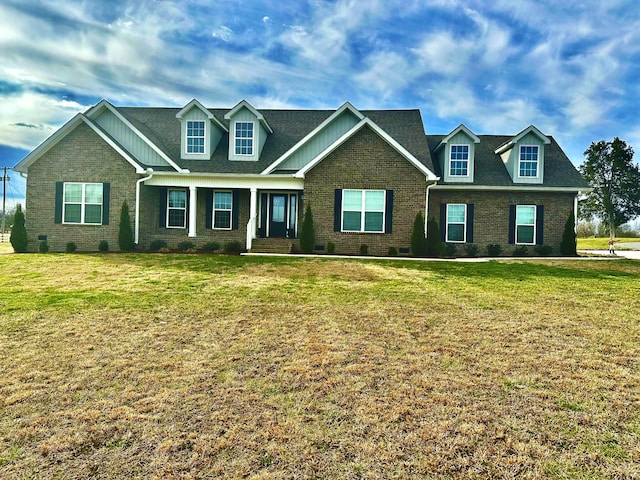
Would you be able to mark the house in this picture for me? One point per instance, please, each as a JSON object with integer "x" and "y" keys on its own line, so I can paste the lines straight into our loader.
{"x": 246, "y": 175}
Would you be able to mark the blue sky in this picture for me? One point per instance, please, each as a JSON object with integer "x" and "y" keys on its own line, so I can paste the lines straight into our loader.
{"x": 571, "y": 68}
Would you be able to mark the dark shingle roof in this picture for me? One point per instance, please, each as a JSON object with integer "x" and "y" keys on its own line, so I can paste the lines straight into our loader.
{"x": 489, "y": 169}
{"x": 161, "y": 127}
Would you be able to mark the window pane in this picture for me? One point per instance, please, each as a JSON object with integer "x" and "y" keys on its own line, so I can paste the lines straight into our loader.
{"x": 524, "y": 234}
{"x": 93, "y": 214}
{"x": 222, "y": 200}
{"x": 455, "y": 233}
{"x": 292, "y": 211}
{"x": 222, "y": 219}
{"x": 176, "y": 218}
{"x": 72, "y": 213}
{"x": 352, "y": 200}
{"x": 459, "y": 152}
{"x": 525, "y": 215}
{"x": 93, "y": 193}
{"x": 177, "y": 199}
{"x": 455, "y": 213}
{"x": 73, "y": 192}
{"x": 374, "y": 200}
{"x": 277, "y": 205}
{"x": 459, "y": 167}
{"x": 351, "y": 221}
{"x": 373, "y": 221}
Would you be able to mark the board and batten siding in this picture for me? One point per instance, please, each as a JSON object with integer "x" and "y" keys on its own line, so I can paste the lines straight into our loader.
{"x": 126, "y": 137}
{"x": 323, "y": 139}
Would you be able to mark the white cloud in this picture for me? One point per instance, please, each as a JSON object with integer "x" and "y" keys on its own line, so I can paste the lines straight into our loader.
{"x": 223, "y": 33}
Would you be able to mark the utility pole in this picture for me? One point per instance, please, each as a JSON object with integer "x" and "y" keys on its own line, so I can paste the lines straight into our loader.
{"x": 5, "y": 179}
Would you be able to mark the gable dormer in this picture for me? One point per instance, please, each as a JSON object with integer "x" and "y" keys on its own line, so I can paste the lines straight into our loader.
{"x": 248, "y": 130}
{"x": 200, "y": 131}
{"x": 456, "y": 155}
{"x": 523, "y": 156}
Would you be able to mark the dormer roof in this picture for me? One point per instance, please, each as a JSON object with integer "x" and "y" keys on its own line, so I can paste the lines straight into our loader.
{"x": 513, "y": 141}
{"x": 458, "y": 129}
{"x": 256, "y": 113}
{"x": 196, "y": 104}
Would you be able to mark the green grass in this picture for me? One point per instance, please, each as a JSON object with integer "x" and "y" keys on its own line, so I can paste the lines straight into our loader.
{"x": 602, "y": 243}
{"x": 211, "y": 366}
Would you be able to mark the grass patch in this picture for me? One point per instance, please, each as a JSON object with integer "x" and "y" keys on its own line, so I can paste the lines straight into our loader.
{"x": 197, "y": 366}
{"x": 602, "y": 243}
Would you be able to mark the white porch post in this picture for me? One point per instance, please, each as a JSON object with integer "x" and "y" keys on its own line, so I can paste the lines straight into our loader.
{"x": 253, "y": 213}
{"x": 193, "y": 201}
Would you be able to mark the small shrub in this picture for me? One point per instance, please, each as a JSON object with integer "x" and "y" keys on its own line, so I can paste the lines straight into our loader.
{"x": 233, "y": 247}
{"x": 307, "y": 232}
{"x": 103, "y": 246}
{"x": 434, "y": 242}
{"x": 125, "y": 233}
{"x": 494, "y": 250}
{"x": 185, "y": 245}
{"x": 43, "y": 247}
{"x": 471, "y": 249}
{"x": 211, "y": 246}
{"x": 364, "y": 249}
{"x": 543, "y": 250}
{"x": 521, "y": 251}
{"x": 568, "y": 243}
{"x": 331, "y": 247}
{"x": 157, "y": 245}
{"x": 71, "y": 247}
{"x": 164, "y": 250}
{"x": 393, "y": 252}
{"x": 418, "y": 240}
{"x": 450, "y": 249}
{"x": 18, "y": 237}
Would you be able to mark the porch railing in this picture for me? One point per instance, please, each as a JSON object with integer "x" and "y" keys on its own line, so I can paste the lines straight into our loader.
{"x": 250, "y": 231}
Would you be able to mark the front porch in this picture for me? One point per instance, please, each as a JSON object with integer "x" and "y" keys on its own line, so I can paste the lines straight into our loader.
{"x": 220, "y": 210}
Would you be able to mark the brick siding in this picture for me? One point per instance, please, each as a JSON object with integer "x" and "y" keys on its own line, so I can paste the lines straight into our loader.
{"x": 491, "y": 214}
{"x": 82, "y": 156}
{"x": 365, "y": 162}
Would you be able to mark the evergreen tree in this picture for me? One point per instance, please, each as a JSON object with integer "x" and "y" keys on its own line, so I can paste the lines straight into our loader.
{"x": 18, "y": 236}
{"x": 125, "y": 234}
{"x": 434, "y": 243}
{"x": 568, "y": 245}
{"x": 307, "y": 232}
{"x": 418, "y": 240}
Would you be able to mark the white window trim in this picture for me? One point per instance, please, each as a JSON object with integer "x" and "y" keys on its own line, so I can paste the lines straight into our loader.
{"x": 363, "y": 211}
{"x": 187, "y": 137}
{"x": 464, "y": 223}
{"x": 468, "y": 160}
{"x": 535, "y": 226}
{"x": 214, "y": 210}
{"x": 253, "y": 139}
{"x": 82, "y": 203}
{"x": 537, "y": 175}
{"x": 175, "y": 208}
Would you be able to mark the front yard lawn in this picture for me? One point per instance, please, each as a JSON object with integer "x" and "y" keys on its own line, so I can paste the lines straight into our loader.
{"x": 197, "y": 366}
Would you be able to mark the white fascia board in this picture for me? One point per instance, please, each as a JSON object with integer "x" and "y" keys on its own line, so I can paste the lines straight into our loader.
{"x": 382, "y": 134}
{"x": 313, "y": 133}
{"x": 195, "y": 103}
{"x": 511, "y": 143}
{"x": 495, "y": 188}
{"x": 62, "y": 132}
{"x": 256, "y": 113}
{"x": 229, "y": 180}
{"x": 105, "y": 104}
{"x": 460, "y": 128}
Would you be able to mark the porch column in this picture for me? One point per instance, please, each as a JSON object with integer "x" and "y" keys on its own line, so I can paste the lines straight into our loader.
{"x": 193, "y": 201}
{"x": 251, "y": 224}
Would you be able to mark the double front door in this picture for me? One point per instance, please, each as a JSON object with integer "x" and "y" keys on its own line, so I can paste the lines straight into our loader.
{"x": 278, "y": 215}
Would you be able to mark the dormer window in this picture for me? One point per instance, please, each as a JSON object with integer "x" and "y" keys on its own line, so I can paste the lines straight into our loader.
{"x": 195, "y": 137}
{"x": 459, "y": 161}
{"x": 528, "y": 164}
{"x": 244, "y": 138}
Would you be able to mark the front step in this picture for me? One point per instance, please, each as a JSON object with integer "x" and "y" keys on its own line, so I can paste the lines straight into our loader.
{"x": 271, "y": 245}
